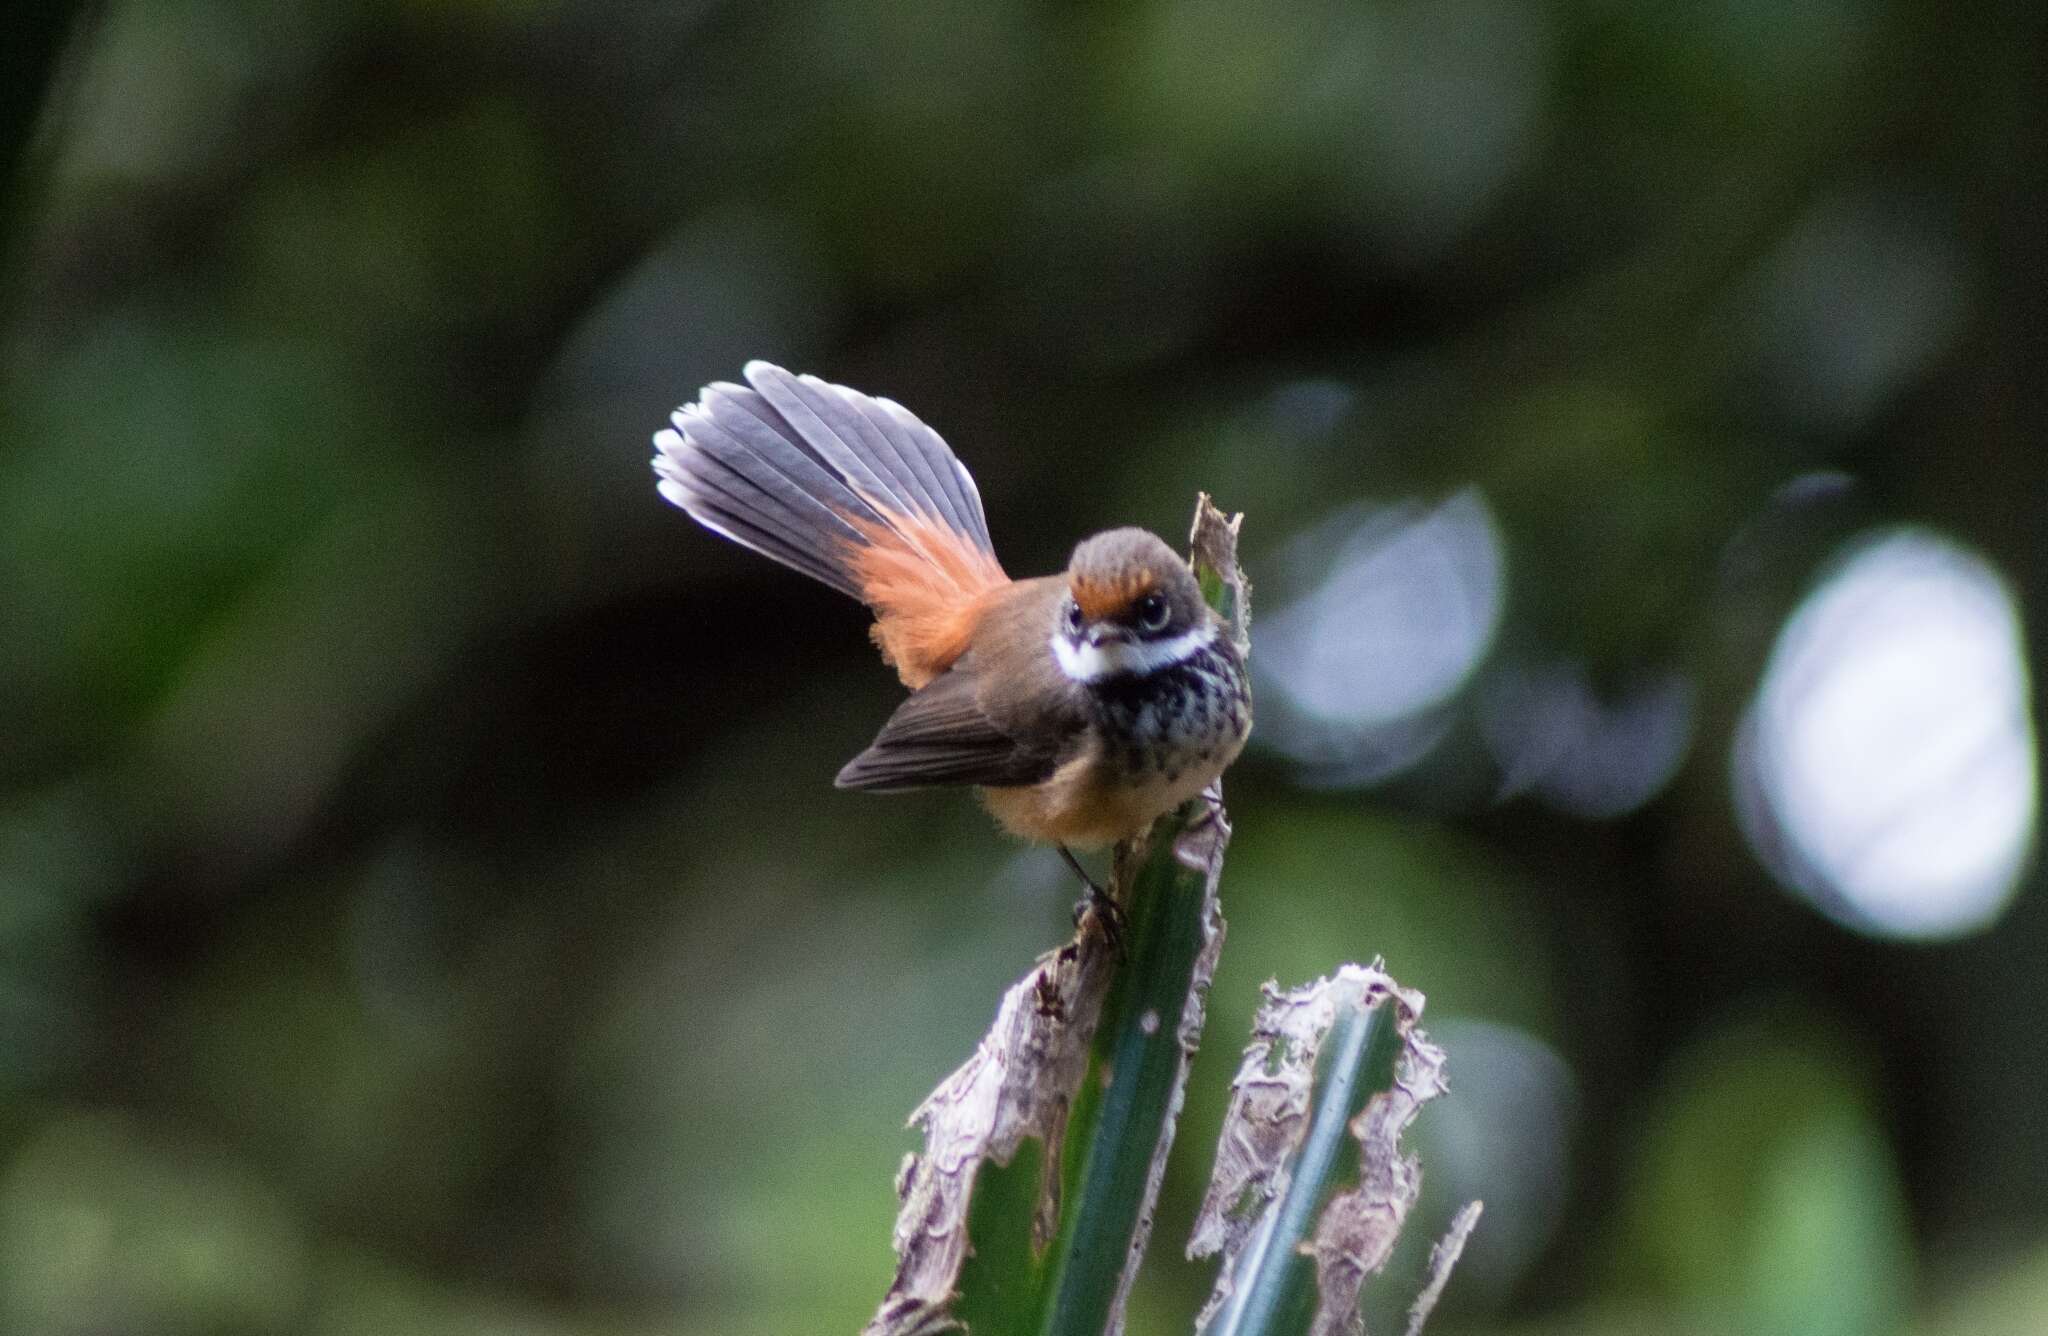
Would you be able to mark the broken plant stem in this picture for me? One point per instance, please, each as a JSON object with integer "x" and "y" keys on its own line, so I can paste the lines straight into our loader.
{"x": 1335, "y": 1073}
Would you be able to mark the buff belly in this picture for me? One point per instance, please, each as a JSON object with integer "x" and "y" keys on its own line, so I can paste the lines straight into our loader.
{"x": 1088, "y": 803}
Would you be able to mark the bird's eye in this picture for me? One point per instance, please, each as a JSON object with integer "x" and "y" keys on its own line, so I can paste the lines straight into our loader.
{"x": 1153, "y": 612}
{"x": 1072, "y": 617}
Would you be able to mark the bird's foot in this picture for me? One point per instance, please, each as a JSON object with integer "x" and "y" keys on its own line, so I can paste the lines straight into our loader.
{"x": 1109, "y": 915}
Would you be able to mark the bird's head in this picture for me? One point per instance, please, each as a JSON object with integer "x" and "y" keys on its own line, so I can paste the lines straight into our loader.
{"x": 1132, "y": 606}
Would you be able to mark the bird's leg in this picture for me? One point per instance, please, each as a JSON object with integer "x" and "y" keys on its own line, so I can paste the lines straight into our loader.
{"x": 1108, "y": 910}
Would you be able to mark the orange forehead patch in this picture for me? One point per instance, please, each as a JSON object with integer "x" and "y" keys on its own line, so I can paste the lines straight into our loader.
{"x": 1100, "y": 599}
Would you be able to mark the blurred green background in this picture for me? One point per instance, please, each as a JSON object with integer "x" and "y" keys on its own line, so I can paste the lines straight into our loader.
{"x": 424, "y": 907}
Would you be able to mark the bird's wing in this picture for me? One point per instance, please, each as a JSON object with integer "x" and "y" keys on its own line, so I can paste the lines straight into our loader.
{"x": 940, "y": 735}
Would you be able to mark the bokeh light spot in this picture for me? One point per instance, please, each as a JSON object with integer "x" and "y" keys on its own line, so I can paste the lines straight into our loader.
{"x": 1504, "y": 1135}
{"x": 1592, "y": 754}
{"x": 1393, "y": 626}
{"x": 1886, "y": 768}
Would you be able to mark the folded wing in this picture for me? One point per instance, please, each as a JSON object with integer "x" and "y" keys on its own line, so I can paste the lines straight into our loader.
{"x": 940, "y": 735}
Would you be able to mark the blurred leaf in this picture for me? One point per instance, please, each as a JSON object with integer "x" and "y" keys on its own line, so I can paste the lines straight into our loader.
{"x": 1337, "y": 878}
{"x": 1765, "y": 1198}
{"x": 162, "y": 466}
{"x": 2010, "y": 1300}
{"x": 446, "y": 226}
{"x": 103, "y": 1228}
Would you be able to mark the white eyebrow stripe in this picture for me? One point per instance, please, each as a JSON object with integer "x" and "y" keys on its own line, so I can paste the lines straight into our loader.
{"x": 1091, "y": 663}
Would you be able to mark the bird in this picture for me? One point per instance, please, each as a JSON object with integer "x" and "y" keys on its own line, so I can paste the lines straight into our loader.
{"x": 1082, "y": 705}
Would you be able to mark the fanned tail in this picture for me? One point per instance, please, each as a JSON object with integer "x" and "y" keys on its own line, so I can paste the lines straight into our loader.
{"x": 853, "y": 491}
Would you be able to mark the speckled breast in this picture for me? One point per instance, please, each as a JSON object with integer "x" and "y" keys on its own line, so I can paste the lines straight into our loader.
{"x": 1176, "y": 728}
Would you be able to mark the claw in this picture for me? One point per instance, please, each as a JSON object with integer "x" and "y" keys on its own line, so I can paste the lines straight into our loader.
{"x": 1109, "y": 915}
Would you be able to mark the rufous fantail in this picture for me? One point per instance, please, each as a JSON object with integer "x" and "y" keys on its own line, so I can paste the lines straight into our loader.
{"x": 1082, "y": 705}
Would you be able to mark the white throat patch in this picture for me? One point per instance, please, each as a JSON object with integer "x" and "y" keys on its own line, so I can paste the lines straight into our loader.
{"x": 1092, "y": 663}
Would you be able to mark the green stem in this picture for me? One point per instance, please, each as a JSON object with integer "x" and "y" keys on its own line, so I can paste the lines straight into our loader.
{"x": 1139, "y": 1052}
{"x": 1274, "y": 1286}
{"x": 1124, "y": 1113}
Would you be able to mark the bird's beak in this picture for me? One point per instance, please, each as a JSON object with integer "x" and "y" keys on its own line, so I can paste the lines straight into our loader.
{"x": 1108, "y": 633}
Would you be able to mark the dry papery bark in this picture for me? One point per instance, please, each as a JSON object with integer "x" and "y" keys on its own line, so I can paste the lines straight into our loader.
{"x": 1019, "y": 1083}
{"x": 1272, "y": 1102}
{"x": 1443, "y": 1255}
